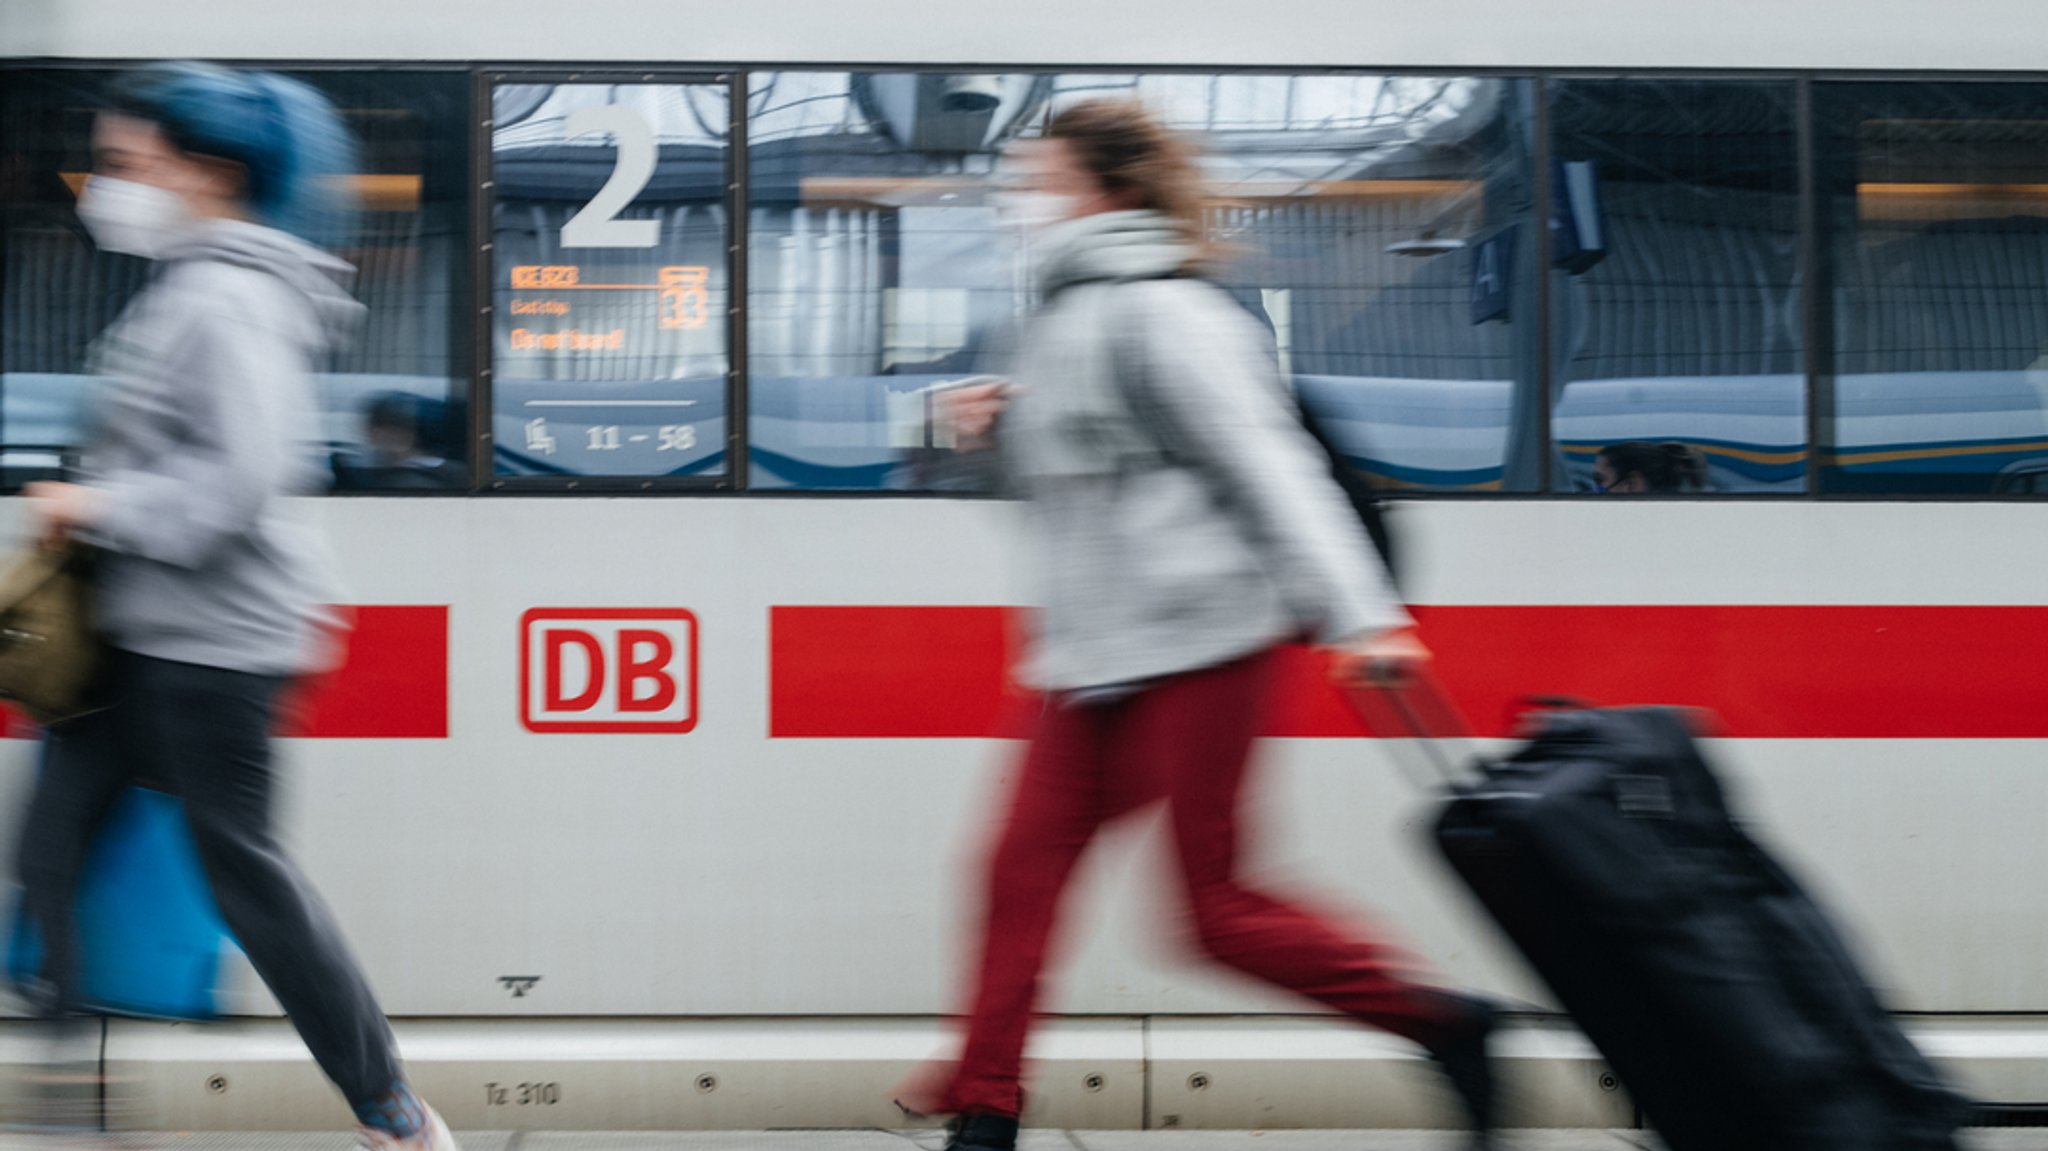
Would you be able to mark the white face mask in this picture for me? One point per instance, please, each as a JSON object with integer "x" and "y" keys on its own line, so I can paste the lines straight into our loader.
{"x": 1033, "y": 212}
{"x": 131, "y": 218}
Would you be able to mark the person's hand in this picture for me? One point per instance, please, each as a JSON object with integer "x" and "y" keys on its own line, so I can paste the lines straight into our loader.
{"x": 1387, "y": 658}
{"x": 60, "y": 510}
{"x": 971, "y": 412}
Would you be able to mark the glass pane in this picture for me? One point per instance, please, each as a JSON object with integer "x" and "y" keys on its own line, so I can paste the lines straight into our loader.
{"x": 609, "y": 279}
{"x": 1675, "y": 297}
{"x": 1379, "y": 226}
{"x": 1935, "y": 205}
{"x": 393, "y": 402}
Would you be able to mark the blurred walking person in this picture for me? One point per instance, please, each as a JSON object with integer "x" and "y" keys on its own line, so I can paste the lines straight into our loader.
{"x": 1186, "y": 528}
{"x": 209, "y": 594}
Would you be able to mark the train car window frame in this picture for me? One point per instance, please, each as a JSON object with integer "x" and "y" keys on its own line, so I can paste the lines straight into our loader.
{"x": 1818, "y": 259}
{"x": 9, "y": 78}
{"x": 452, "y": 117}
{"x": 1916, "y": 260}
{"x": 732, "y": 475}
{"x": 1649, "y": 247}
{"x": 1523, "y": 433}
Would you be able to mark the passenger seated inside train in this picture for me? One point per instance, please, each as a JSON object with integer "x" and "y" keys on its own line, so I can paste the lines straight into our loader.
{"x": 1639, "y": 466}
{"x": 397, "y": 453}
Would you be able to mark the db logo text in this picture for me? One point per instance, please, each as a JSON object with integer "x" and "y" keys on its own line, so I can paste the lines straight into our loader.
{"x": 589, "y": 670}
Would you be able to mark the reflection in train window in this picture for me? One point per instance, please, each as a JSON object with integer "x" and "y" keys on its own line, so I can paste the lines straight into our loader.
{"x": 393, "y": 402}
{"x": 2029, "y": 477}
{"x": 1934, "y": 210}
{"x": 1377, "y": 225}
{"x": 608, "y": 333}
{"x": 1675, "y": 288}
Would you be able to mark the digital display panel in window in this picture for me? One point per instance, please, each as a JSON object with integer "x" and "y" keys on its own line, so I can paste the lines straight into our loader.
{"x": 609, "y": 265}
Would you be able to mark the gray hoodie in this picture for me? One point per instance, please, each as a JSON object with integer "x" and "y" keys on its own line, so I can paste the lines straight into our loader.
{"x": 1184, "y": 517}
{"x": 203, "y": 426}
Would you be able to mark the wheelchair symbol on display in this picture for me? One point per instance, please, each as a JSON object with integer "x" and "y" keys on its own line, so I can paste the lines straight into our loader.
{"x": 537, "y": 437}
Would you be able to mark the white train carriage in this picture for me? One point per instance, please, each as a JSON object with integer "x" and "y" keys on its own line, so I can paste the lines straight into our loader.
{"x": 659, "y": 289}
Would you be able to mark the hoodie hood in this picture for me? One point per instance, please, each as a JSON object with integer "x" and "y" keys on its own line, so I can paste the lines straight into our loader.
{"x": 321, "y": 279}
{"x": 1140, "y": 245}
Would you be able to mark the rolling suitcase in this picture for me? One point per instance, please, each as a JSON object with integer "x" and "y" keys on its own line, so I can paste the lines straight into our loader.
{"x": 1717, "y": 990}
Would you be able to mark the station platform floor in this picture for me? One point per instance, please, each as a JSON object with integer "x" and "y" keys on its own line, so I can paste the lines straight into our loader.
{"x": 1040, "y": 1140}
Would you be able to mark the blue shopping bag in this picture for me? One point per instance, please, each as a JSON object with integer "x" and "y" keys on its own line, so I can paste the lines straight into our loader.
{"x": 149, "y": 935}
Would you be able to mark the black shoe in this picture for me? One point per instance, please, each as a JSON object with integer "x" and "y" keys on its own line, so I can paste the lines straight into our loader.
{"x": 1461, "y": 1055}
{"x": 982, "y": 1133}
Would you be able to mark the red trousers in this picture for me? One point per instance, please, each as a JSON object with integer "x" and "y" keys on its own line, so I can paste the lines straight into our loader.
{"x": 1185, "y": 740}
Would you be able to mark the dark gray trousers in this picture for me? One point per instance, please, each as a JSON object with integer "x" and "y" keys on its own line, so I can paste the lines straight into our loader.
{"x": 204, "y": 734}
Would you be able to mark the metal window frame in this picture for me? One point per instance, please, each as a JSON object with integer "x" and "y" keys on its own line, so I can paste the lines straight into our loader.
{"x": 1797, "y": 81}
{"x": 739, "y": 318}
{"x": 1816, "y": 298}
{"x": 1820, "y": 317}
{"x": 732, "y": 477}
{"x": 1816, "y": 259}
{"x": 1536, "y": 77}
{"x": 460, "y": 314}
{"x": 1541, "y": 207}
{"x": 482, "y": 447}
{"x": 9, "y": 81}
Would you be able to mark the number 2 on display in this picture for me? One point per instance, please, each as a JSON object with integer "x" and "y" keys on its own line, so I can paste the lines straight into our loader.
{"x": 597, "y": 224}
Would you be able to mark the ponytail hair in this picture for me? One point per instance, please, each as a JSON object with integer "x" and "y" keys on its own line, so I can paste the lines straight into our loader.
{"x": 287, "y": 138}
{"x": 1667, "y": 467}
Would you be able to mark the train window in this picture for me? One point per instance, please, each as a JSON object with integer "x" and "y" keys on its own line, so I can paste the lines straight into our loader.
{"x": 393, "y": 402}
{"x": 1934, "y": 212}
{"x": 877, "y": 267}
{"x": 1675, "y": 286}
{"x": 1378, "y": 225}
{"x": 59, "y": 291}
{"x": 609, "y": 266}
{"x": 398, "y": 400}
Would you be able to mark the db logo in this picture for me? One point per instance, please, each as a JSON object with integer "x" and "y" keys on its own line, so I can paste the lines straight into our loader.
{"x": 608, "y": 670}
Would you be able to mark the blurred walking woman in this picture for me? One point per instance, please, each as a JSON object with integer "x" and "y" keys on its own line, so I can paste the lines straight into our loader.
{"x": 1186, "y": 528}
{"x": 210, "y": 594}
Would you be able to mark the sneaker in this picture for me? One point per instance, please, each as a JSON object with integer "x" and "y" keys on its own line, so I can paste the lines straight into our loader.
{"x": 982, "y": 1133}
{"x": 432, "y": 1137}
{"x": 1462, "y": 1056}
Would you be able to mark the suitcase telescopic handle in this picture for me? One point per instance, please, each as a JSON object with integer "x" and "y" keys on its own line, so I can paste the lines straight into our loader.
{"x": 1415, "y": 708}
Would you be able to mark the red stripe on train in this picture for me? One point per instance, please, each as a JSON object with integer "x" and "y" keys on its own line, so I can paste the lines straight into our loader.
{"x": 891, "y": 671}
{"x": 393, "y": 683}
{"x": 1767, "y": 672}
